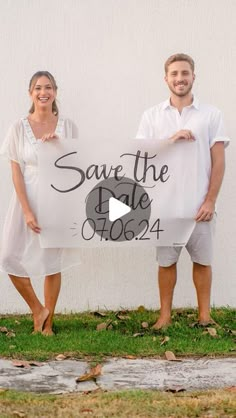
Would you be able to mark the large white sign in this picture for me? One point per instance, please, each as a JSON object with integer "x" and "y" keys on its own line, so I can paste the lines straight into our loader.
{"x": 70, "y": 172}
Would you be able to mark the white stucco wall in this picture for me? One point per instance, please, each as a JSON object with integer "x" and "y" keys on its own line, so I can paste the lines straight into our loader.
{"x": 107, "y": 57}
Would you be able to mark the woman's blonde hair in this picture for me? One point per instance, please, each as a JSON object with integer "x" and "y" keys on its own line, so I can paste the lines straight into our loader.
{"x": 32, "y": 83}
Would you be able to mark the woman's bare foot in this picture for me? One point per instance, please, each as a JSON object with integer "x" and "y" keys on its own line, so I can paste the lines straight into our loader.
{"x": 40, "y": 319}
{"x": 47, "y": 328}
{"x": 162, "y": 323}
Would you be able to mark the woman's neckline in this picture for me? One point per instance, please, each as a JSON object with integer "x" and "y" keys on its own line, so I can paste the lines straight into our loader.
{"x": 31, "y": 134}
{"x": 38, "y": 122}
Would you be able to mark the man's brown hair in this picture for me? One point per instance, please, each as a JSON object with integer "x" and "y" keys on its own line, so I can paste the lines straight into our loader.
{"x": 179, "y": 57}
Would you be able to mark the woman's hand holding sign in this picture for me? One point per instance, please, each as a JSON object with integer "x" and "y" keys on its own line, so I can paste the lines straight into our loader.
{"x": 49, "y": 137}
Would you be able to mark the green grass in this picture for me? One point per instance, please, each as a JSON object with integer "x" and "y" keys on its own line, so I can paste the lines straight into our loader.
{"x": 130, "y": 404}
{"x": 76, "y": 336}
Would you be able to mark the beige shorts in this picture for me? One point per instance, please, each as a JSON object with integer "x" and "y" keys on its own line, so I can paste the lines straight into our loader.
{"x": 199, "y": 246}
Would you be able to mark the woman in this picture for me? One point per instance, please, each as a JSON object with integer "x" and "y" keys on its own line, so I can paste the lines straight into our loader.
{"x": 22, "y": 255}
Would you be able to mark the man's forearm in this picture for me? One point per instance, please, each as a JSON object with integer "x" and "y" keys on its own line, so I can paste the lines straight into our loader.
{"x": 217, "y": 172}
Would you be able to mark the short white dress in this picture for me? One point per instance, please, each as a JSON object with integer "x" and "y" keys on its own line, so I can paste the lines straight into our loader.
{"x": 21, "y": 254}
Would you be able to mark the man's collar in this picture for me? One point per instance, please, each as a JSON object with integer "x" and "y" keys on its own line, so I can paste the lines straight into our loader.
{"x": 195, "y": 103}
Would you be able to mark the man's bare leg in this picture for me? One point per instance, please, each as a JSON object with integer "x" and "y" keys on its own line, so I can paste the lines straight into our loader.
{"x": 167, "y": 280}
{"x": 202, "y": 277}
{"x": 52, "y": 286}
{"x": 24, "y": 287}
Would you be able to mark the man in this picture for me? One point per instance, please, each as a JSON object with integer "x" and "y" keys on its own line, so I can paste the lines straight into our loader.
{"x": 182, "y": 117}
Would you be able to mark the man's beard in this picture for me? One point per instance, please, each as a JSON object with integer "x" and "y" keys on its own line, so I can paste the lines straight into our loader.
{"x": 181, "y": 93}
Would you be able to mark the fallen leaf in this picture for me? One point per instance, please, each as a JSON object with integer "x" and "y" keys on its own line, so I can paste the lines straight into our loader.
{"x": 100, "y": 314}
{"x": 175, "y": 389}
{"x": 96, "y": 371}
{"x": 122, "y": 317}
{"x": 101, "y": 326}
{"x": 36, "y": 363}
{"x": 60, "y": 357}
{"x": 91, "y": 375}
{"x": 170, "y": 356}
{"x": 194, "y": 325}
{"x": 86, "y": 410}
{"x": 26, "y": 364}
{"x": 21, "y": 363}
{"x": 231, "y": 389}
{"x": 138, "y": 334}
{"x": 141, "y": 308}
{"x": 121, "y": 312}
{"x": 210, "y": 323}
{"x": 130, "y": 357}
{"x": 180, "y": 311}
{"x": 20, "y": 414}
{"x": 212, "y": 332}
{"x": 17, "y": 322}
{"x": 10, "y": 334}
{"x": 145, "y": 325}
{"x": 154, "y": 338}
{"x": 87, "y": 392}
{"x": 4, "y": 330}
{"x": 165, "y": 340}
{"x": 104, "y": 325}
{"x": 11, "y": 347}
{"x": 110, "y": 327}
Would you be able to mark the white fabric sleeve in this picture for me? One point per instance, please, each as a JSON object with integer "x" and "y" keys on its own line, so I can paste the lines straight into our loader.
{"x": 71, "y": 130}
{"x": 217, "y": 130}
{"x": 145, "y": 130}
{"x": 12, "y": 145}
{"x": 68, "y": 128}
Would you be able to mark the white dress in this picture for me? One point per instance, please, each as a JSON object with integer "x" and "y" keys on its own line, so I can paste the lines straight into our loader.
{"x": 21, "y": 254}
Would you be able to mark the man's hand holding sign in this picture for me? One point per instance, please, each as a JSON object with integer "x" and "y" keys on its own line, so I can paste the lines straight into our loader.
{"x": 183, "y": 134}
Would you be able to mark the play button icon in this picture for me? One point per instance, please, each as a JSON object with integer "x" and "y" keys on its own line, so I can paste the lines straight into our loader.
{"x": 118, "y": 210}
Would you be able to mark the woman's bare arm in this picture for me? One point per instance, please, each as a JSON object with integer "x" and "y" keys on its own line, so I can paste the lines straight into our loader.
{"x": 19, "y": 185}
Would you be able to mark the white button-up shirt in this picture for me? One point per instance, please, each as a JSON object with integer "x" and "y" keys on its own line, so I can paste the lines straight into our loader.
{"x": 203, "y": 120}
